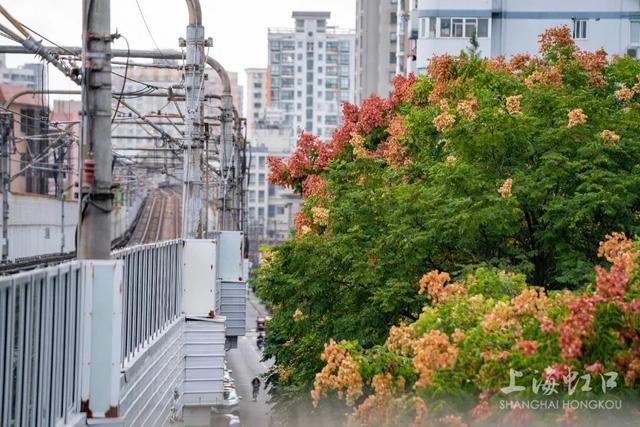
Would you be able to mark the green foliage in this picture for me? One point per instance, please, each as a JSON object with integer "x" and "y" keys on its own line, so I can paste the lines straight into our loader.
{"x": 389, "y": 225}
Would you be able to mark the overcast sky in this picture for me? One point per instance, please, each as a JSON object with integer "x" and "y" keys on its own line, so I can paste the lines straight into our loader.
{"x": 238, "y": 27}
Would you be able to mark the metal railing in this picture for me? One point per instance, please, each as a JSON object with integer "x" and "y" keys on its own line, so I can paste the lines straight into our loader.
{"x": 41, "y": 325}
{"x": 152, "y": 294}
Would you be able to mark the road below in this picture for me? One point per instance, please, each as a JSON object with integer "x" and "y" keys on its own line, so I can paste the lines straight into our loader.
{"x": 245, "y": 362}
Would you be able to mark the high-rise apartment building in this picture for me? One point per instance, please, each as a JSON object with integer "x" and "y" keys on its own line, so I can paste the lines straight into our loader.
{"x": 508, "y": 27}
{"x": 28, "y": 75}
{"x": 376, "y": 47}
{"x": 256, "y": 97}
{"x": 311, "y": 70}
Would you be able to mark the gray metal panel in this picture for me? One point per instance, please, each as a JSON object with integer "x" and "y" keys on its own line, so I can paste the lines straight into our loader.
{"x": 204, "y": 350}
{"x": 233, "y": 305}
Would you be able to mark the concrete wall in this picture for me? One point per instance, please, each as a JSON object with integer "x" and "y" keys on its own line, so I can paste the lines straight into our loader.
{"x": 35, "y": 224}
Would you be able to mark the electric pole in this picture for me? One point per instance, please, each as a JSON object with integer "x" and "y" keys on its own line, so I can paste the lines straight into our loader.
{"x": 192, "y": 212}
{"x": 6, "y": 126}
{"x": 96, "y": 180}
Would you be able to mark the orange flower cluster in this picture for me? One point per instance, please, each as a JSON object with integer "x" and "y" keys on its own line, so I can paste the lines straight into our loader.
{"x": 435, "y": 283}
{"x": 528, "y": 347}
{"x": 375, "y": 410}
{"x": 625, "y": 94}
{"x": 400, "y": 339}
{"x": 468, "y": 108}
{"x": 617, "y": 249}
{"x": 402, "y": 89}
{"x": 505, "y": 188}
{"x": 576, "y": 118}
{"x": 320, "y": 216}
{"x": 440, "y": 67}
{"x": 498, "y": 64}
{"x": 357, "y": 142}
{"x": 513, "y": 105}
{"x": 451, "y": 159}
{"x": 445, "y": 120}
{"x": 550, "y": 76}
{"x": 392, "y": 150}
{"x": 507, "y": 315}
{"x": 340, "y": 373}
{"x": 302, "y": 224}
{"x": 519, "y": 63}
{"x": 609, "y": 137}
{"x": 433, "y": 351}
{"x": 593, "y": 63}
{"x": 555, "y": 37}
{"x": 421, "y": 412}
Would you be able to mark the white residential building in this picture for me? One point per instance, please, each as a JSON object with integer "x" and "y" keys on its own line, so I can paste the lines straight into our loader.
{"x": 311, "y": 70}
{"x": 256, "y": 97}
{"x": 376, "y": 47}
{"x": 31, "y": 75}
{"x": 271, "y": 208}
{"x": 508, "y": 27}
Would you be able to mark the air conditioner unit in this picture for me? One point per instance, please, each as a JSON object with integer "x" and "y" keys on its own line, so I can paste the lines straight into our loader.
{"x": 633, "y": 52}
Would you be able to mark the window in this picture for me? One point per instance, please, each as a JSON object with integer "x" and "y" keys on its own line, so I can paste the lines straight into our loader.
{"x": 471, "y": 27}
{"x": 445, "y": 27}
{"x": 260, "y": 196}
{"x": 330, "y": 96}
{"x": 423, "y": 28}
{"x": 393, "y": 18}
{"x": 261, "y": 178}
{"x": 392, "y": 58}
{"x": 257, "y": 85}
{"x": 635, "y": 32}
{"x": 457, "y": 27}
{"x": 271, "y": 211}
{"x": 344, "y": 82}
{"x": 252, "y": 196}
{"x": 320, "y": 45}
{"x": 483, "y": 28}
{"x": 460, "y": 27}
{"x": 257, "y": 105}
{"x": 580, "y": 29}
{"x": 262, "y": 162}
{"x": 260, "y": 212}
{"x": 331, "y": 120}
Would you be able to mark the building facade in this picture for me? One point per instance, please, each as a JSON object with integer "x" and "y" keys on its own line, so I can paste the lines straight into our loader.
{"x": 30, "y": 76}
{"x": 376, "y": 47}
{"x": 271, "y": 208}
{"x": 508, "y": 27}
{"x": 256, "y": 97}
{"x": 311, "y": 70}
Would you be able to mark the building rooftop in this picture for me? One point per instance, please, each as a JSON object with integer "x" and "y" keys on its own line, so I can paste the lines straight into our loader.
{"x": 310, "y": 15}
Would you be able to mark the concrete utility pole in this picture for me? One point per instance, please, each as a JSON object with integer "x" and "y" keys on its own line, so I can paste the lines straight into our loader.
{"x": 193, "y": 219}
{"x": 96, "y": 180}
{"x": 6, "y": 126}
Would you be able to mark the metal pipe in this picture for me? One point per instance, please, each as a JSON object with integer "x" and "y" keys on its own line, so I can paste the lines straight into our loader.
{"x": 195, "y": 13}
{"x": 14, "y": 21}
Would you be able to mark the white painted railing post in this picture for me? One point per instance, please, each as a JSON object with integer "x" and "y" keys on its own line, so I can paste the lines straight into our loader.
{"x": 102, "y": 338}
